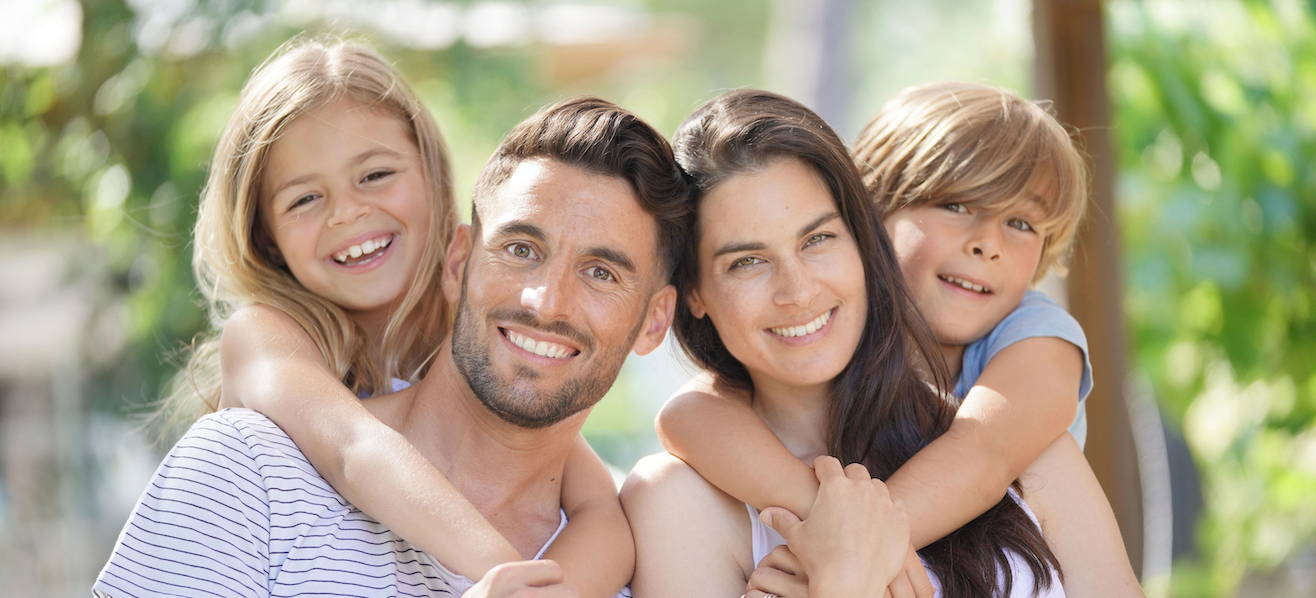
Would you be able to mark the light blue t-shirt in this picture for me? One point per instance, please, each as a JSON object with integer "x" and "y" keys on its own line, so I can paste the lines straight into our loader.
{"x": 1037, "y": 315}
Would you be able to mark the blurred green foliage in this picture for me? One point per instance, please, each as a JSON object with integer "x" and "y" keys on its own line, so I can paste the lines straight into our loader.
{"x": 1215, "y": 125}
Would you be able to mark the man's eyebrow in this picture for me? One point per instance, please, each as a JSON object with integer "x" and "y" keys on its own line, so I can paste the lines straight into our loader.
{"x": 512, "y": 229}
{"x": 613, "y": 256}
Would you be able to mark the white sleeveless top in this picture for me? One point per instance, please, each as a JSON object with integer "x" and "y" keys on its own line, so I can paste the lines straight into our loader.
{"x": 765, "y": 539}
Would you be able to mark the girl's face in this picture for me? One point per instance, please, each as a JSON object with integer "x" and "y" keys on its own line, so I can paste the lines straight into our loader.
{"x": 345, "y": 199}
{"x": 780, "y": 275}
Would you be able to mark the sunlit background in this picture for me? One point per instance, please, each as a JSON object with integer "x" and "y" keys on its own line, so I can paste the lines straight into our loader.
{"x": 110, "y": 109}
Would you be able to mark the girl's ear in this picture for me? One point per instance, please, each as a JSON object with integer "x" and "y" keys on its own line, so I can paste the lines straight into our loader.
{"x": 454, "y": 265}
{"x": 696, "y": 304}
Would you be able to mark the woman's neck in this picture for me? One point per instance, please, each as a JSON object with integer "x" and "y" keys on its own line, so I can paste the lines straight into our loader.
{"x": 797, "y": 415}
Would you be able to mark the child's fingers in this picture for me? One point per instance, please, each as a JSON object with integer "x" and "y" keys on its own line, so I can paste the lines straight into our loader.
{"x": 856, "y": 471}
{"x": 826, "y": 467}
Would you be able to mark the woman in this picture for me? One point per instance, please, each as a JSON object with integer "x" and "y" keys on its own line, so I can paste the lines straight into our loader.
{"x": 792, "y": 293}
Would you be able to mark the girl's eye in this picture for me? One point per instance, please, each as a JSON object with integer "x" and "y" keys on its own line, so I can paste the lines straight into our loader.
{"x": 375, "y": 176}
{"x": 1019, "y": 224}
{"x": 522, "y": 251}
{"x": 303, "y": 200}
{"x": 745, "y": 262}
{"x": 958, "y": 208}
{"x": 599, "y": 273}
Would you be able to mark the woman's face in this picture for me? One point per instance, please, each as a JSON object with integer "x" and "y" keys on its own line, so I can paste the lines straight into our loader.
{"x": 780, "y": 275}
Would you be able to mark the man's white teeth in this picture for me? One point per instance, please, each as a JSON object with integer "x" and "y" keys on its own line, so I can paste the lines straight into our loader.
{"x": 543, "y": 348}
{"x": 809, "y": 328}
{"x": 964, "y": 283}
{"x": 367, "y": 247}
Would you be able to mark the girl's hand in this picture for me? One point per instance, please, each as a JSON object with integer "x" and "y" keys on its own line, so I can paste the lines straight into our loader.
{"x": 778, "y": 574}
{"x": 855, "y": 540}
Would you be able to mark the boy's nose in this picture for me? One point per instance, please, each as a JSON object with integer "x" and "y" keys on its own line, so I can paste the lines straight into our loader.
{"x": 985, "y": 242}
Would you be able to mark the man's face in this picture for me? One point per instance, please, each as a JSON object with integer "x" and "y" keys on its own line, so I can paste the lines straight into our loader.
{"x": 561, "y": 281}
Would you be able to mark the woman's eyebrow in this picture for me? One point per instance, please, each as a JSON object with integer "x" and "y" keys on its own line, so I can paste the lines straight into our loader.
{"x": 817, "y": 222}
{"x": 738, "y": 247}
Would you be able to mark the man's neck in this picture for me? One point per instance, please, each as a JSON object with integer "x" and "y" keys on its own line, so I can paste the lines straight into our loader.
{"x": 511, "y": 474}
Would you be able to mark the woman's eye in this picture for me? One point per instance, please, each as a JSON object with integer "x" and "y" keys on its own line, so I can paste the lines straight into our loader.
{"x": 522, "y": 251}
{"x": 375, "y": 176}
{"x": 599, "y": 273}
{"x": 745, "y": 262}
{"x": 817, "y": 238}
{"x": 1019, "y": 224}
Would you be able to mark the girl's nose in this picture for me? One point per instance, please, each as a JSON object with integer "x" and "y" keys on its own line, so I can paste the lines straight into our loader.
{"x": 348, "y": 208}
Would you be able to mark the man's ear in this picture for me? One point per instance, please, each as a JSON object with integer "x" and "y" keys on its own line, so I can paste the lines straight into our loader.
{"x": 454, "y": 265}
{"x": 662, "y": 306}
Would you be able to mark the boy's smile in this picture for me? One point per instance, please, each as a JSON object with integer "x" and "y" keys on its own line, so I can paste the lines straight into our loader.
{"x": 967, "y": 267}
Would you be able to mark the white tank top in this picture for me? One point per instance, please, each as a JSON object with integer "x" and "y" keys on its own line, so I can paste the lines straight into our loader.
{"x": 765, "y": 539}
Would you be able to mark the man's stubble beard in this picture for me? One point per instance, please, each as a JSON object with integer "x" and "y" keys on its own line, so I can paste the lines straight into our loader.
{"x": 522, "y": 407}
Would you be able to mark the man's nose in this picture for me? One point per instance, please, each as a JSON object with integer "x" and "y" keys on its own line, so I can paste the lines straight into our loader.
{"x": 548, "y": 293}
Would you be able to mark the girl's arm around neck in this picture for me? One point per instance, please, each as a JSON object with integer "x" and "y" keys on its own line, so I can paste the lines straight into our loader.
{"x": 1023, "y": 401}
{"x": 271, "y": 365}
{"x": 596, "y": 550}
{"x": 714, "y": 430}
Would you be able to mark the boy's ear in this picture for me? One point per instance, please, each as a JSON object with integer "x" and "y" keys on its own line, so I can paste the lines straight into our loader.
{"x": 662, "y": 306}
{"x": 454, "y": 265}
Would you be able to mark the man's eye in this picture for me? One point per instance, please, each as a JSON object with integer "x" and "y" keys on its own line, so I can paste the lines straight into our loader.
{"x": 522, "y": 251}
{"x": 599, "y": 273}
{"x": 746, "y": 262}
{"x": 1020, "y": 224}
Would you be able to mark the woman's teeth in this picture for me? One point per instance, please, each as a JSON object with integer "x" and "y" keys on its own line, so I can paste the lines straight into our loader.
{"x": 366, "y": 248}
{"x": 543, "y": 348}
{"x": 809, "y": 328}
{"x": 964, "y": 283}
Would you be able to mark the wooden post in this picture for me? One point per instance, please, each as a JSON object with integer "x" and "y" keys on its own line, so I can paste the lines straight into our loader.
{"x": 1071, "y": 71}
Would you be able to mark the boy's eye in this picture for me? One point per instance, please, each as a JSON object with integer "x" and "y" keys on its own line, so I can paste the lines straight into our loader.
{"x": 522, "y": 251}
{"x": 746, "y": 262}
{"x": 958, "y": 208}
{"x": 599, "y": 273}
{"x": 1019, "y": 224}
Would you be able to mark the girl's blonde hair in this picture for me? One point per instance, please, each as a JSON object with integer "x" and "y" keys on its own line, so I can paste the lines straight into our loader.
{"x": 234, "y": 257}
{"x": 966, "y": 143}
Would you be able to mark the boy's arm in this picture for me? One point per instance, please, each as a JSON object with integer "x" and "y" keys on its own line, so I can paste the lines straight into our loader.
{"x": 715, "y": 431}
{"x": 596, "y": 550}
{"x": 271, "y": 365}
{"x": 1021, "y": 403}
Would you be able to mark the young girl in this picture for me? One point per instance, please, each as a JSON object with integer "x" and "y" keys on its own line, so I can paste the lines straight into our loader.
{"x": 319, "y": 242}
{"x": 981, "y": 192}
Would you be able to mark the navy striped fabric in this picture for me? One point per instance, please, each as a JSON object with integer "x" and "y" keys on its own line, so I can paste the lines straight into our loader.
{"x": 236, "y": 510}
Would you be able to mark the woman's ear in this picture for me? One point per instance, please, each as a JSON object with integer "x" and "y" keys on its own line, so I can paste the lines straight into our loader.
{"x": 696, "y": 304}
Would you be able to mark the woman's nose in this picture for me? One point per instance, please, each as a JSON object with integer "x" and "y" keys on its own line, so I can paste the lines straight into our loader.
{"x": 796, "y": 284}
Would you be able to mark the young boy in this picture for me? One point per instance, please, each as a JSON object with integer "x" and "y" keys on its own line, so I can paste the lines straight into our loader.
{"x": 981, "y": 193}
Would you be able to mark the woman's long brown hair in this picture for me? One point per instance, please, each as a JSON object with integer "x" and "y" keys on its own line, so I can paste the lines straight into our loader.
{"x": 890, "y": 400}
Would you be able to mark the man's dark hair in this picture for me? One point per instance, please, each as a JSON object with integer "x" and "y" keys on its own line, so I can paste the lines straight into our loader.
{"x": 601, "y": 137}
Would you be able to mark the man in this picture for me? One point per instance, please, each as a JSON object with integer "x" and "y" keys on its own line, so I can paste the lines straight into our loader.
{"x": 579, "y": 220}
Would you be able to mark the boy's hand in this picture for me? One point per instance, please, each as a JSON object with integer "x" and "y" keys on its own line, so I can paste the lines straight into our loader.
{"x": 523, "y": 579}
{"x": 855, "y": 539}
{"x": 778, "y": 574}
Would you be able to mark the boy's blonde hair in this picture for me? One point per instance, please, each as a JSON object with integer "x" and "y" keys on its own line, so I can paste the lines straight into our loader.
{"x": 975, "y": 144}
{"x": 234, "y": 257}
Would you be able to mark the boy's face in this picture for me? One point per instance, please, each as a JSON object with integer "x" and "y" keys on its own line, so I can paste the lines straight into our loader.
{"x": 968, "y": 267}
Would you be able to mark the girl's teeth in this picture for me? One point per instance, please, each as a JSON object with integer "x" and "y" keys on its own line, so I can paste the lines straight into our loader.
{"x": 366, "y": 248}
{"x": 809, "y": 328}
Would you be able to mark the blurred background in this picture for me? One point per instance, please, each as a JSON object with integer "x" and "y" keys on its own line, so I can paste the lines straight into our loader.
{"x": 1195, "y": 276}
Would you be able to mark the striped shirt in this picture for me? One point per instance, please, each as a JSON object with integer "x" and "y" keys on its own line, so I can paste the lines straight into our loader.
{"x": 236, "y": 510}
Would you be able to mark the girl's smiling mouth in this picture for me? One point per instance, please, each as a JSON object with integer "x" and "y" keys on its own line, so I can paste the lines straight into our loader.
{"x": 365, "y": 252}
